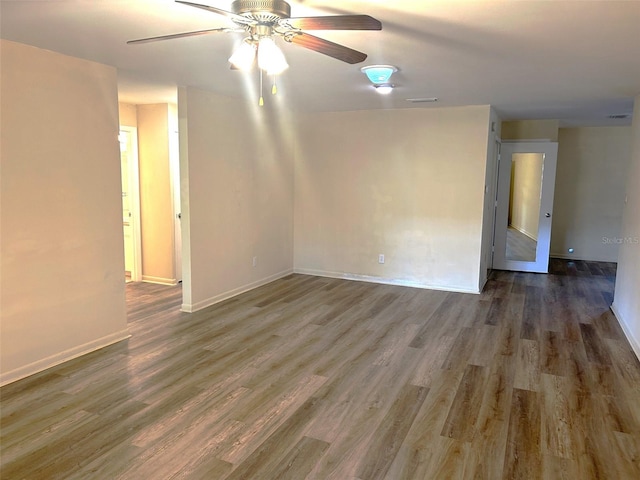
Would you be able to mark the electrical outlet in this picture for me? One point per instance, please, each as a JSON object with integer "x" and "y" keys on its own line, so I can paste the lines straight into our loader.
{"x": 255, "y": 261}
{"x": 381, "y": 258}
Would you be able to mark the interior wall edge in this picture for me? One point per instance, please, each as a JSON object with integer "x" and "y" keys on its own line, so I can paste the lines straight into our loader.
{"x": 159, "y": 280}
{"x": 62, "y": 357}
{"x": 583, "y": 258}
{"x": 192, "y": 308}
{"x": 634, "y": 342}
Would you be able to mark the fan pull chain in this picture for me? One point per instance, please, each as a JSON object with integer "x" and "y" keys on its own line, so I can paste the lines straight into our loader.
{"x": 261, "y": 102}
{"x": 274, "y": 89}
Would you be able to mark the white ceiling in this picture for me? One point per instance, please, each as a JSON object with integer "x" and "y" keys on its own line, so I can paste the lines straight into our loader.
{"x": 577, "y": 61}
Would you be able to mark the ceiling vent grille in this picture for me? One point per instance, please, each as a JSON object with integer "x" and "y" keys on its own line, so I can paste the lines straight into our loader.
{"x": 422, "y": 100}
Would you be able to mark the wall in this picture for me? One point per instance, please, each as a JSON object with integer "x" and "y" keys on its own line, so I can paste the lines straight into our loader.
{"x": 626, "y": 303}
{"x": 156, "y": 197}
{"x": 590, "y": 184}
{"x": 62, "y": 259}
{"x": 408, "y": 184}
{"x": 128, "y": 114}
{"x": 236, "y": 162}
{"x": 530, "y": 130}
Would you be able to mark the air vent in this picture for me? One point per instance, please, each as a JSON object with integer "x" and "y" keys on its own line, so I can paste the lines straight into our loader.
{"x": 422, "y": 100}
{"x": 619, "y": 116}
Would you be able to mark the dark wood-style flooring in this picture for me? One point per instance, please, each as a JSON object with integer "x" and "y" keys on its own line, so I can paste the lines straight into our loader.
{"x": 317, "y": 378}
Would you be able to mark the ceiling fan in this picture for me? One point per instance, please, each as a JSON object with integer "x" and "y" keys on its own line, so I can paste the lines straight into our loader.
{"x": 264, "y": 19}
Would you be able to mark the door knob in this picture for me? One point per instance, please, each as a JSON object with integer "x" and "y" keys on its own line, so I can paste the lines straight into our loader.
{"x": 547, "y": 215}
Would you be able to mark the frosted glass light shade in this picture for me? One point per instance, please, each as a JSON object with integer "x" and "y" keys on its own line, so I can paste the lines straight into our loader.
{"x": 270, "y": 57}
{"x": 244, "y": 56}
{"x": 379, "y": 74}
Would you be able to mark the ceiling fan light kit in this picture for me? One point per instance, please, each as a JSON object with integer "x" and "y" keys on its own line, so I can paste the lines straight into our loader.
{"x": 244, "y": 56}
{"x": 270, "y": 57}
{"x": 264, "y": 20}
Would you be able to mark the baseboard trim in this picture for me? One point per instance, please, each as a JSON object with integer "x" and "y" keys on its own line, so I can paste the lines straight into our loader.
{"x": 381, "y": 280}
{"x": 191, "y": 308}
{"x": 58, "y": 358}
{"x": 635, "y": 343}
{"x": 571, "y": 256}
{"x": 530, "y": 236}
{"x": 159, "y": 280}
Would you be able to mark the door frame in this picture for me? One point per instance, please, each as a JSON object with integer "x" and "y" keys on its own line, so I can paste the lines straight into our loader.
{"x": 550, "y": 152}
{"x": 134, "y": 201}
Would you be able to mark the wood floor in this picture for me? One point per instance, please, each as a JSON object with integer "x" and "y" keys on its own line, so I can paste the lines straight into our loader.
{"x": 316, "y": 378}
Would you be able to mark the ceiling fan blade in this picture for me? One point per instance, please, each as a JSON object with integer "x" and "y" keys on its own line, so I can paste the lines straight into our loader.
{"x": 179, "y": 35}
{"x": 331, "y": 49}
{"x": 336, "y": 22}
{"x": 233, "y": 16}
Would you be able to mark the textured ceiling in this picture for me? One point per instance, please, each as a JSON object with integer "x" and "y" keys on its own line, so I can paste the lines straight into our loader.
{"x": 577, "y": 61}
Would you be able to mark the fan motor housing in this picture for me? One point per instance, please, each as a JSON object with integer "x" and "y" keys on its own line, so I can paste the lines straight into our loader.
{"x": 262, "y": 10}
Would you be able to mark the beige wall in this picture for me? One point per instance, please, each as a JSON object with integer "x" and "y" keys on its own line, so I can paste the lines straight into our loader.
{"x": 626, "y": 303}
{"x": 156, "y": 199}
{"x": 408, "y": 184}
{"x": 236, "y": 162}
{"x": 590, "y": 185}
{"x": 530, "y": 130}
{"x": 526, "y": 190}
{"x": 62, "y": 260}
{"x": 128, "y": 114}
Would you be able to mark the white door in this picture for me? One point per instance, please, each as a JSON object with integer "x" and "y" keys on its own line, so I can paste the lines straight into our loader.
{"x": 526, "y": 183}
{"x": 174, "y": 164}
{"x": 130, "y": 203}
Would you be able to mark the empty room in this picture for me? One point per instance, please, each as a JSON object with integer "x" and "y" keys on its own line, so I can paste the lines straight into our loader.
{"x": 319, "y": 240}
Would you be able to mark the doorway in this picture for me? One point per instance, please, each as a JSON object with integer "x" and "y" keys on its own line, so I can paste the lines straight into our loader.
{"x": 128, "y": 137}
{"x": 526, "y": 184}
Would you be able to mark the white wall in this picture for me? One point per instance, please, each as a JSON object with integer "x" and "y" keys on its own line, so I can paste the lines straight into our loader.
{"x": 236, "y": 162}
{"x": 62, "y": 254}
{"x": 626, "y": 303}
{"x": 590, "y": 187}
{"x": 408, "y": 184}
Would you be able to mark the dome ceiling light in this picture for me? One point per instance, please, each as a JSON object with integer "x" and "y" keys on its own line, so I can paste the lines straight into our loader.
{"x": 380, "y": 76}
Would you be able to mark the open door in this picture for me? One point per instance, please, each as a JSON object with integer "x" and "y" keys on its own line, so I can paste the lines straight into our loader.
{"x": 526, "y": 183}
